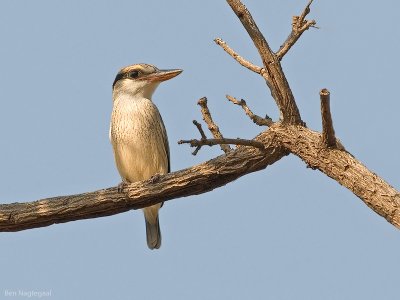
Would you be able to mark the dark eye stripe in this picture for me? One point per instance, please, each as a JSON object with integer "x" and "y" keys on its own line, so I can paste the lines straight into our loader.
{"x": 118, "y": 77}
{"x": 131, "y": 74}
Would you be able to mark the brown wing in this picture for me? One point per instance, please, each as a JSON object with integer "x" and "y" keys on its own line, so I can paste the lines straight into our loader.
{"x": 165, "y": 141}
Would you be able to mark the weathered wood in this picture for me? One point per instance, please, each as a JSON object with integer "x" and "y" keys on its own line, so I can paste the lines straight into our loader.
{"x": 299, "y": 25}
{"x": 279, "y": 140}
{"x": 195, "y": 180}
{"x": 272, "y": 73}
{"x": 282, "y": 138}
{"x": 344, "y": 168}
{"x": 328, "y": 132}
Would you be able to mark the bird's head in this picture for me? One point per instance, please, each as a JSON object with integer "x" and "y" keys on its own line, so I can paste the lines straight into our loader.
{"x": 141, "y": 79}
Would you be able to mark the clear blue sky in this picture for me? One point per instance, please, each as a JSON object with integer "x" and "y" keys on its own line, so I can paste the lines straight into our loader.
{"x": 286, "y": 232}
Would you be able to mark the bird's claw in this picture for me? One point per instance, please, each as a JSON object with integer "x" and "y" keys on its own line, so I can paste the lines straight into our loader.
{"x": 155, "y": 178}
{"x": 121, "y": 186}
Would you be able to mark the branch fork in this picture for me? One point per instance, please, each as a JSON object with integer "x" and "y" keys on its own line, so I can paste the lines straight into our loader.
{"x": 218, "y": 138}
{"x": 299, "y": 25}
{"x": 289, "y": 135}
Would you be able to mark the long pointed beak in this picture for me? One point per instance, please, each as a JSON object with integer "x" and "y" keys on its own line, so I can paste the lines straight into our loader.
{"x": 163, "y": 75}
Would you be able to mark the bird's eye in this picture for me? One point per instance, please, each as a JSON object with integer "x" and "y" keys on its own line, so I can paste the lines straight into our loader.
{"x": 134, "y": 74}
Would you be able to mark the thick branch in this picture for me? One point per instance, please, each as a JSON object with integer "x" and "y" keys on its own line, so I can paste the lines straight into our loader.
{"x": 299, "y": 25}
{"x": 192, "y": 181}
{"x": 328, "y": 133}
{"x": 273, "y": 74}
{"x": 343, "y": 168}
{"x": 256, "y": 119}
{"x": 210, "y": 123}
{"x": 278, "y": 140}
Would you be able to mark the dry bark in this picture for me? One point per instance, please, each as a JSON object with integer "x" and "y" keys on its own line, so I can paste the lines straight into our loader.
{"x": 288, "y": 135}
{"x": 342, "y": 167}
{"x": 192, "y": 181}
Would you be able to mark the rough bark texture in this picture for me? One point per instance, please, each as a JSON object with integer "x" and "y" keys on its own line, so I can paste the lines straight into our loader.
{"x": 273, "y": 74}
{"x": 195, "y": 180}
{"x": 279, "y": 140}
{"x": 341, "y": 166}
{"x": 328, "y": 132}
{"x": 284, "y": 137}
{"x": 299, "y": 25}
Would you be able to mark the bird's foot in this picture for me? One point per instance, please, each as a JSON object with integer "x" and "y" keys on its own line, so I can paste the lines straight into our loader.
{"x": 155, "y": 178}
{"x": 121, "y": 186}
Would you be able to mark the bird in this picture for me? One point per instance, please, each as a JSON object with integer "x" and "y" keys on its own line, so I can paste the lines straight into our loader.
{"x": 138, "y": 135}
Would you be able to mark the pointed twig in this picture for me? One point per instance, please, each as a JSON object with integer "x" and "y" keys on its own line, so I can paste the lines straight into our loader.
{"x": 223, "y": 141}
{"x": 210, "y": 123}
{"x": 272, "y": 70}
{"x": 306, "y": 10}
{"x": 203, "y": 136}
{"x": 198, "y": 125}
{"x": 299, "y": 25}
{"x": 217, "y": 141}
{"x": 328, "y": 133}
{"x": 267, "y": 121}
{"x": 245, "y": 63}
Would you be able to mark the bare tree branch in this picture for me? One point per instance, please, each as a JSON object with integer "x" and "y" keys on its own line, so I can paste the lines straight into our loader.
{"x": 203, "y": 136}
{"x": 200, "y": 128}
{"x": 273, "y": 74}
{"x": 343, "y": 167}
{"x": 282, "y": 138}
{"x": 267, "y": 121}
{"x": 328, "y": 133}
{"x": 210, "y": 123}
{"x": 245, "y": 63}
{"x": 224, "y": 141}
{"x": 299, "y": 25}
{"x": 278, "y": 140}
{"x": 192, "y": 181}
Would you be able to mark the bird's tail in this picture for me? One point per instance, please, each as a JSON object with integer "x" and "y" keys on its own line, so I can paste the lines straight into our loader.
{"x": 153, "y": 233}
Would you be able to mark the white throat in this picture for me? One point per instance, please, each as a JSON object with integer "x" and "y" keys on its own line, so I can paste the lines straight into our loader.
{"x": 134, "y": 89}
